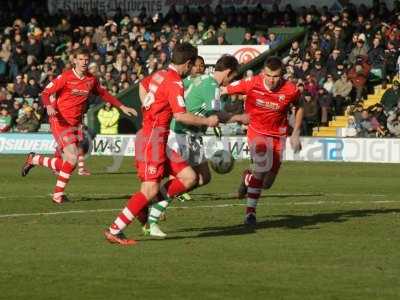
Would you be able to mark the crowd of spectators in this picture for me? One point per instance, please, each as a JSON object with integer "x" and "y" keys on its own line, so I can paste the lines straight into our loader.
{"x": 345, "y": 54}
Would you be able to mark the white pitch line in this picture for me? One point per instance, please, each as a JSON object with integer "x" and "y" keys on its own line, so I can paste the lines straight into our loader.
{"x": 196, "y": 207}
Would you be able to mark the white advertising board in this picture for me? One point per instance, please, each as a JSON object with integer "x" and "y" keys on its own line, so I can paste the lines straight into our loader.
{"x": 243, "y": 53}
{"x": 313, "y": 149}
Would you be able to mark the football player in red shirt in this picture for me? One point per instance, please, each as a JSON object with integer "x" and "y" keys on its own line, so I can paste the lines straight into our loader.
{"x": 72, "y": 89}
{"x": 162, "y": 94}
{"x": 268, "y": 100}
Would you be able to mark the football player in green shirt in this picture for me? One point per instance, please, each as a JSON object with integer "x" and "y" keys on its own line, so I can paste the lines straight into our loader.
{"x": 202, "y": 97}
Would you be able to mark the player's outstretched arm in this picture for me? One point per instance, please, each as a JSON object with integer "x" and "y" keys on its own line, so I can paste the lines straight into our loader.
{"x": 295, "y": 137}
{"x": 237, "y": 87}
{"x": 191, "y": 119}
{"x": 128, "y": 110}
{"x": 107, "y": 97}
{"x": 225, "y": 117}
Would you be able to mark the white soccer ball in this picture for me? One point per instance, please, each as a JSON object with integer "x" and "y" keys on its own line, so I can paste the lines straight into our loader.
{"x": 222, "y": 161}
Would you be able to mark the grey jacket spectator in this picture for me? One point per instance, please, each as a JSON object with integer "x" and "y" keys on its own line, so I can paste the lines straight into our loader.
{"x": 393, "y": 124}
{"x": 366, "y": 127}
{"x": 359, "y": 49}
{"x": 342, "y": 87}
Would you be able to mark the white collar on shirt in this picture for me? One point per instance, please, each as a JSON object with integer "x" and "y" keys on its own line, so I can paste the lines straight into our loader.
{"x": 76, "y": 74}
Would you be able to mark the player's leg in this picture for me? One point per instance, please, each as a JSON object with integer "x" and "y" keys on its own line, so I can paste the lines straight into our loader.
{"x": 70, "y": 158}
{"x": 267, "y": 162}
{"x": 82, "y": 171}
{"x": 157, "y": 210}
{"x": 83, "y": 151}
{"x": 33, "y": 159}
{"x": 261, "y": 155}
{"x": 203, "y": 174}
{"x": 184, "y": 179}
{"x": 135, "y": 205}
{"x": 64, "y": 135}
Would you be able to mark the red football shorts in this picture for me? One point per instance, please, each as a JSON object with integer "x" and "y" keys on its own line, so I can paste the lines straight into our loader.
{"x": 154, "y": 160}
{"x": 266, "y": 151}
{"x": 64, "y": 133}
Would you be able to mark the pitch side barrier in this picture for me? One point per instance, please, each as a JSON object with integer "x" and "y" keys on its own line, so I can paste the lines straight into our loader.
{"x": 314, "y": 148}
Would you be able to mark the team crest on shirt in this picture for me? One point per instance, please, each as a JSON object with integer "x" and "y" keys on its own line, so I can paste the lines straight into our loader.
{"x": 152, "y": 170}
{"x": 281, "y": 98}
{"x": 89, "y": 85}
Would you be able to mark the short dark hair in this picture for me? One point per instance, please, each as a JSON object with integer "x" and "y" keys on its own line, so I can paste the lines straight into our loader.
{"x": 227, "y": 62}
{"x": 182, "y": 53}
{"x": 274, "y": 63}
{"x": 200, "y": 58}
{"x": 81, "y": 51}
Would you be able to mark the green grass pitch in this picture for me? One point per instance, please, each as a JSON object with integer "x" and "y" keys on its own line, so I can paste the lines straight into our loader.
{"x": 326, "y": 231}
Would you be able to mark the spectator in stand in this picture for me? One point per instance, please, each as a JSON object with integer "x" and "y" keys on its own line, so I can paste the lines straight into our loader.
{"x": 376, "y": 125}
{"x": 380, "y": 115}
{"x": 19, "y": 86}
{"x": 273, "y": 40}
{"x": 391, "y": 96}
{"x": 319, "y": 73}
{"x": 352, "y": 128}
{"x": 221, "y": 40}
{"x": 338, "y": 39}
{"x": 366, "y": 127}
{"x": 303, "y": 70}
{"x": 393, "y": 124}
{"x": 333, "y": 60}
{"x": 311, "y": 113}
{"x": 357, "y": 113}
{"x": 341, "y": 93}
{"x": 5, "y": 120}
{"x": 359, "y": 50}
{"x": 376, "y": 57}
{"x": 391, "y": 55}
{"x": 38, "y": 110}
{"x": 33, "y": 89}
{"x": 311, "y": 85}
{"x": 325, "y": 102}
{"x": 358, "y": 76}
{"x": 28, "y": 122}
{"x": 108, "y": 117}
{"x": 329, "y": 83}
{"x": 248, "y": 39}
{"x": 294, "y": 52}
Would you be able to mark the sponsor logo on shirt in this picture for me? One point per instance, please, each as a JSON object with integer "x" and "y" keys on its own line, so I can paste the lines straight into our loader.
{"x": 259, "y": 92}
{"x": 267, "y": 104}
{"x": 78, "y": 92}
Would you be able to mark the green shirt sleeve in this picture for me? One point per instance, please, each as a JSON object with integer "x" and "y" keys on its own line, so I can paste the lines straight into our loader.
{"x": 211, "y": 96}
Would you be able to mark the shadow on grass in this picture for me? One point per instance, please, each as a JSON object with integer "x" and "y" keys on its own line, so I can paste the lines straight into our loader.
{"x": 233, "y": 196}
{"x": 113, "y": 173}
{"x": 285, "y": 222}
{"x": 99, "y": 198}
{"x": 197, "y": 197}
